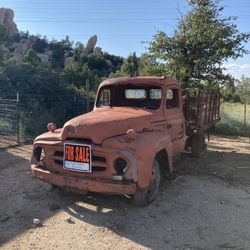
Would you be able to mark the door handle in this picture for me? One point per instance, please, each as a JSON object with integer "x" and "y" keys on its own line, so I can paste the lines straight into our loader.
{"x": 169, "y": 125}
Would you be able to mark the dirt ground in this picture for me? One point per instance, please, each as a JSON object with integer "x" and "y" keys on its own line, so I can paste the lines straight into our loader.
{"x": 206, "y": 205}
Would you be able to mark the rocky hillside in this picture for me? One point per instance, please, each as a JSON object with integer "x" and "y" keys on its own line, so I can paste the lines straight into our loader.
{"x": 50, "y": 76}
{"x": 58, "y": 54}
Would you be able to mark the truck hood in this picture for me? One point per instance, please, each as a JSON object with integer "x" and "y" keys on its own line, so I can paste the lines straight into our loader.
{"x": 105, "y": 123}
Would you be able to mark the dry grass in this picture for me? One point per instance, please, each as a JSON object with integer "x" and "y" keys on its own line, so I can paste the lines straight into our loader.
{"x": 232, "y": 119}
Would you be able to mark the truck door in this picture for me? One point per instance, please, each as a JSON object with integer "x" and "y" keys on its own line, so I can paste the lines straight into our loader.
{"x": 175, "y": 118}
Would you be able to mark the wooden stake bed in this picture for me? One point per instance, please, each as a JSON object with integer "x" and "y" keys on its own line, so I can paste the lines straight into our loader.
{"x": 202, "y": 111}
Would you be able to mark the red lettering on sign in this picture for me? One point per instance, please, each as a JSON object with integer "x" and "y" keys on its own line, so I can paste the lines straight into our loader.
{"x": 76, "y": 153}
{"x": 87, "y": 154}
{"x": 80, "y": 154}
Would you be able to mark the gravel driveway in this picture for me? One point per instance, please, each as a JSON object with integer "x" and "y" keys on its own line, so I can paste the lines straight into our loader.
{"x": 206, "y": 205}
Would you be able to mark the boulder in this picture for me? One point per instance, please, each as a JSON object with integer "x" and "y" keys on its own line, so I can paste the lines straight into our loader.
{"x": 90, "y": 45}
{"x": 7, "y": 21}
{"x": 44, "y": 58}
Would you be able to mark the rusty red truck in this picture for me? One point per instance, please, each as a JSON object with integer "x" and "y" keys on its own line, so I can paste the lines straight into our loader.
{"x": 128, "y": 142}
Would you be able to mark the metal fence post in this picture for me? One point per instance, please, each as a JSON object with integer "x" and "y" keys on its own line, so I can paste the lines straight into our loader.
{"x": 87, "y": 95}
{"x": 245, "y": 114}
{"x": 18, "y": 118}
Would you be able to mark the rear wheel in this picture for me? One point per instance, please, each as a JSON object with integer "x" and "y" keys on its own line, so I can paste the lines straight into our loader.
{"x": 198, "y": 144}
{"x": 143, "y": 197}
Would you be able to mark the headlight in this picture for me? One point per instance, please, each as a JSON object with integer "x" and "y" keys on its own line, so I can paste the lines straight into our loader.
{"x": 131, "y": 134}
{"x": 42, "y": 155}
{"x": 120, "y": 166}
{"x": 51, "y": 127}
{"x": 39, "y": 153}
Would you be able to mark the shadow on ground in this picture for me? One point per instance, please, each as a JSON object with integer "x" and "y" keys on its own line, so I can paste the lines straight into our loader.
{"x": 181, "y": 203}
{"x": 22, "y": 197}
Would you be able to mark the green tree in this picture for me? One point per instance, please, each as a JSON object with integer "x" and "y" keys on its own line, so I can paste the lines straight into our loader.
{"x": 98, "y": 64}
{"x": 3, "y": 34}
{"x": 149, "y": 66}
{"x": 114, "y": 61}
{"x": 7, "y": 89}
{"x": 40, "y": 45}
{"x": 59, "y": 50}
{"x": 202, "y": 41}
{"x": 4, "y": 54}
{"x": 26, "y": 78}
{"x": 32, "y": 57}
{"x": 131, "y": 65}
{"x": 229, "y": 93}
{"x": 243, "y": 89}
{"x": 77, "y": 74}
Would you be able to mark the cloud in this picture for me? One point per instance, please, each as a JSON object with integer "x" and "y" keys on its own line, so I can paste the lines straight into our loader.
{"x": 237, "y": 70}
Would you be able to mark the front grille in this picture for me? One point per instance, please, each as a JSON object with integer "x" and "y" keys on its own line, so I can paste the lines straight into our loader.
{"x": 98, "y": 158}
{"x": 59, "y": 162}
{"x": 98, "y": 162}
{"x": 59, "y": 153}
{"x": 98, "y": 168}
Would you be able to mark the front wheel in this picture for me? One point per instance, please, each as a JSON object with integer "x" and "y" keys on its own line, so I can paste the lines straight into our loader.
{"x": 143, "y": 197}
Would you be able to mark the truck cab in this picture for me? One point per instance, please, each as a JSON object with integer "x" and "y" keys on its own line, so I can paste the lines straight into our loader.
{"x": 124, "y": 146}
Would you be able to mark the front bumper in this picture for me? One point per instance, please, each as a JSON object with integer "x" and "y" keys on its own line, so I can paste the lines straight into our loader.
{"x": 84, "y": 184}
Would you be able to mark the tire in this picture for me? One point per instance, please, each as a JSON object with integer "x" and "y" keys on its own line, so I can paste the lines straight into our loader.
{"x": 143, "y": 197}
{"x": 198, "y": 144}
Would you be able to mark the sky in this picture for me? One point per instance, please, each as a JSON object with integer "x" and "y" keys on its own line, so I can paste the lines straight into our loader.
{"x": 122, "y": 26}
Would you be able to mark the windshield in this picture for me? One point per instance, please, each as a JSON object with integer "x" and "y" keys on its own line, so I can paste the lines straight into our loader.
{"x": 130, "y": 96}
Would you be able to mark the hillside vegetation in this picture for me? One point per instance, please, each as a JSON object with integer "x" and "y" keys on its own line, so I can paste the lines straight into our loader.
{"x": 51, "y": 76}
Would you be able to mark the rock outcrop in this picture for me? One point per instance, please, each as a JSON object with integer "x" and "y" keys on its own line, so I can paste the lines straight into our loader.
{"x": 7, "y": 21}
{"x": 19, "y": 49}
{"x": 84, "y": 51}
{"x": 23, "y": 46}
{"x": 44, "y": 58}
{"x": 90, "y": 45}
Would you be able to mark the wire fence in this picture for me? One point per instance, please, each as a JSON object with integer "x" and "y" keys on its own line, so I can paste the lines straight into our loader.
{"x": 8, "y": 116}
{"x": 24, "y": 117}
{"x": 235, "y": 119}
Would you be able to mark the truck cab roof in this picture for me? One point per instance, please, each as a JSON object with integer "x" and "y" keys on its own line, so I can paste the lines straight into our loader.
{"x": 162, "y": 81}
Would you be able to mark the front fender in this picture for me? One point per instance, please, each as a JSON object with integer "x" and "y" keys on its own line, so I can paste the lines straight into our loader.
{"x": 144, "y": 147}
{"x": 147, "y": 150}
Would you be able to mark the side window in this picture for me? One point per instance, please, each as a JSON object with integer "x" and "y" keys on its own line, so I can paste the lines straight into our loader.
{"x": 104, "y": 98}
{"x": 172, "y": 99}
{"x": 155, "y": 94}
